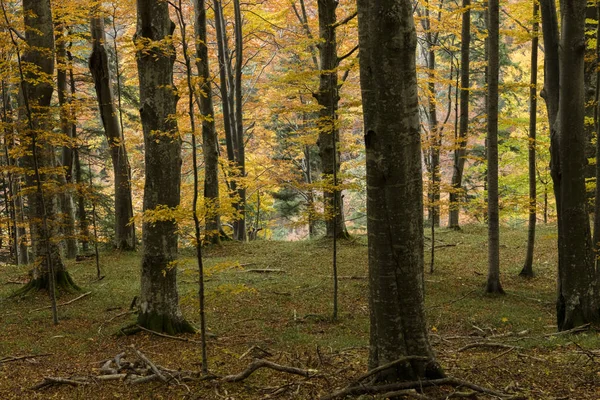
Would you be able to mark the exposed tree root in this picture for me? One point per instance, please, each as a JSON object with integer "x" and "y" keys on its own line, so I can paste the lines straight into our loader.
{"x": 164, "y": 323}
{"x": 64, "y": 284}
{"x": 401, "y": 386}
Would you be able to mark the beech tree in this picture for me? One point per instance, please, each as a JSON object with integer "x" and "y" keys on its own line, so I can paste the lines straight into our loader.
{"x": 159, "y": 299}
{"x": 493, "y": 280}
{"x": 98, "y": 63}
{"x": 577, "y": 297}
{"x": 388, "y": 79}
{"x": 36, "y": 69}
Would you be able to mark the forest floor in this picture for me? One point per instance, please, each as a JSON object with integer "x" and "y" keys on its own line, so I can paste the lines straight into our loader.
{"x": 286, "y": 316}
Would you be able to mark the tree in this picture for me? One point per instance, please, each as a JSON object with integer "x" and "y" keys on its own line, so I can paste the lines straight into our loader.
{"x": 460, "y": 151}
{"x": 493, "y": 280}
{"x": 98, "y": 63}
{"x": 210, "y": 142}
{"x": 528, "y": 267}
{"x": 388, "y": 78}
{"x": 159, "y": 299}
{"x": 36, "y": 69}
{"x": 577, "y": 301}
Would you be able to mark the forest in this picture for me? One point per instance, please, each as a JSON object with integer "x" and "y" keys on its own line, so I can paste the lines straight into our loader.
{"x": 299, "y": 199}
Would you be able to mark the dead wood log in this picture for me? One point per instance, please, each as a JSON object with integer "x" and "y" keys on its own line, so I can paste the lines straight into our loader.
{"x": 258, "y": 364}
{"x": 154, "y": 368}
{"x": 63, "y": 304}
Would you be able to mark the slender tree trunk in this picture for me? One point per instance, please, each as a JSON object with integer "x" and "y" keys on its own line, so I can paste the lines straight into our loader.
{"x": 528, "y": 267}
{"x": 328, "y": 99}
{"x": 84, "y": 226}
{"x": 209, "y": 134}
{"x": 388, "y": 78}
{"x": 596, "y": 242}
{"x": 493, "y": 281}
{"x": 239, "y": 225}
{"x": 66, "y": 120}
{"x": 98, "y": 63}
{"x": 577, "y": 301}
{"x": 159, "y": 299}
{"x": 461, "y": 141}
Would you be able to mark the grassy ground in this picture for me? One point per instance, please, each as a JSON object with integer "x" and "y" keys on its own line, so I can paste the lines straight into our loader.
{"x": 287, "y": 314}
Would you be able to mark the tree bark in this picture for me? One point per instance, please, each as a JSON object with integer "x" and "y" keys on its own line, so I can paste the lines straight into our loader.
{"x": 328, "y": 99}
{"x": 66, "y": 120}
{"x": 577, "y": 301}
{"x": 388, "y": 78}
{"x": 98, "y": 63}
{"x": 528, "y": 267}
{"x": 493, "y": 280}
{"x": 159, "y": 299}
{"x": 209, "y": 134}
{"x": 461, "y": 141}
{"x": 35, "y": 98}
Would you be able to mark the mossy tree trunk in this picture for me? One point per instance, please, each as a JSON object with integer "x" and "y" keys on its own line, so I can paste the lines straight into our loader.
{"x": 159, "y": 299}
{"x": 388, "y": 79}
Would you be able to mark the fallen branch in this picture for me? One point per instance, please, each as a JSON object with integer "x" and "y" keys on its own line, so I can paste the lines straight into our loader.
{"x": 258, "y": 364}
{"x": 491, "y": 345}
{"x": 150, "y": 364}
{"x": 265, "y": 271}
{"x": 63, "y": 304}
{"x": 164, "y": 335}
{"x": 406, "y": 393}
{"x": 394, "y": 387}
{"x": 49, "y": 381}
{"x": 27, "y": 357}
{"x": 577, "y": 329}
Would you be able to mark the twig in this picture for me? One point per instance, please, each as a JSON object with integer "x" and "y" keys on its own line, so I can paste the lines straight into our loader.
{"x": 451, "y": 302}
{"x": 257, "y": 364}
{"x": 265, "y": 271}
{"x": 492, "y": 345}
{"x": 63, "y": 304}
{"x": 115, "y": 317}
{"x": 407, "y": 393}
{"x": 17, "y": 358}
{"x": 167, "y": 336}
{"x": 150, "y": 364}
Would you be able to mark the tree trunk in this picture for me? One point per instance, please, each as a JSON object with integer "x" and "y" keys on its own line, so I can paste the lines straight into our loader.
{"x": 528, "y": 267}
{"x": 328, "y": 100}
{"x": 98, "y": 63}
{"x": 36, "y": 95}
{"x": 461, "y": 141}
{"x": 493, "y": 280}
{"x": 388, "y": 78}
{"x": 209, "y": 134}
{"x": 159, "y": 299}
{"x": 84, "y": 227}
{"x": 66, "y": 120}
{"x": 577, "y": 301}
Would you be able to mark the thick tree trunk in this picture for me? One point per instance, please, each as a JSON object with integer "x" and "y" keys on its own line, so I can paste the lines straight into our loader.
{"x": 36, "y": 95}
{"x": 461, "y": 141}
{"x": 328, "y": 99}
{"x": 528, "y": 267}
{"x": 209, "y": 134}
{"x": 493, "y": 280}
{"x": 98, "y": 63}
{"x": 388, "y": 42}
{"x": 159, "y": 300}
{"x": 577, "y": 301}
{"x": 66, "y": 120}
